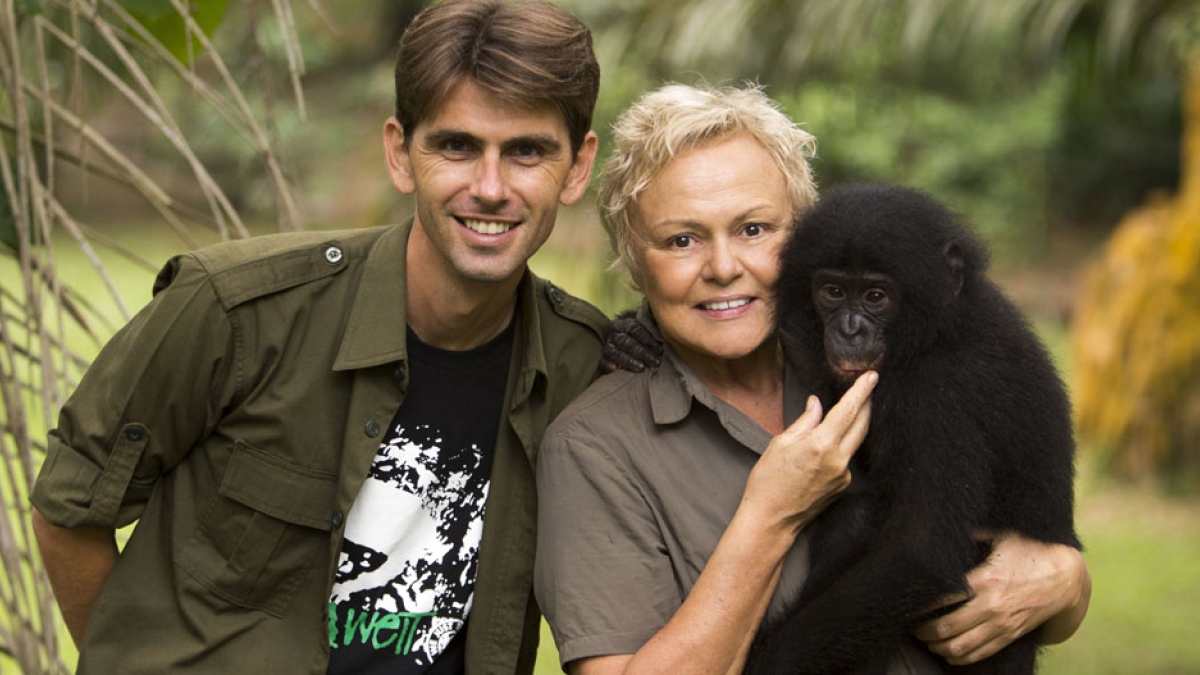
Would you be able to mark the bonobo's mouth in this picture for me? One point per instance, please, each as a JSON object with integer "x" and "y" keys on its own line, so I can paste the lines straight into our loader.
{"x": 848, "y": 369}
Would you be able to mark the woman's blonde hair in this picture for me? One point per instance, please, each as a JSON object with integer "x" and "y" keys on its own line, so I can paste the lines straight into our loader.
{"x": 675, "y": 118}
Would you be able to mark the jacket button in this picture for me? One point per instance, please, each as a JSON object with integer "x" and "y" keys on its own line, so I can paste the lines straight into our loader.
{"x": 398, "y": 371}
{"x": 371, "y": 428}
{"x": 333, "y": 255}
{"x": 337, "y": 519}
{"x": 135, "y": 433}
{"x": 556, "y": 295}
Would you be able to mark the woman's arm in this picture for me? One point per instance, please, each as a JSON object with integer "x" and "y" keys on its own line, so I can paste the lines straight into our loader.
{"x": 801, "y": 471}
{"x": 1022, "y": 585}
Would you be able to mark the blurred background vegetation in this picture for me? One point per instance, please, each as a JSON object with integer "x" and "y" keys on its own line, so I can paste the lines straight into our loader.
{"x": 1068, "y": 131}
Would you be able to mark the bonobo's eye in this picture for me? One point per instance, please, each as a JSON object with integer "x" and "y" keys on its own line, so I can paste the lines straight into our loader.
{"x": 833, "y": 292}
{"x": 875, "y": 296}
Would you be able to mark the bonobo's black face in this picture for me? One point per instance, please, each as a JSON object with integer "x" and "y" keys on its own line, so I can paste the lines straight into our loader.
{"x": 856, "y": 308}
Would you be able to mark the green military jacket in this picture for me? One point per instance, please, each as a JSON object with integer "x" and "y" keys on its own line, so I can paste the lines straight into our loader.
{"x": 235, "y": 419}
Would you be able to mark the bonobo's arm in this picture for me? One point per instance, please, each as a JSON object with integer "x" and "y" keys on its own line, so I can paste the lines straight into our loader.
{"x": 924, "y": 498}
{"x": 919, "y": 554}
{"x": 629, "y": 346}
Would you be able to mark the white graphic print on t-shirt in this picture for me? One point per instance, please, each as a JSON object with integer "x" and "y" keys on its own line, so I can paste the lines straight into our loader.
{"x": 406, "y": 575}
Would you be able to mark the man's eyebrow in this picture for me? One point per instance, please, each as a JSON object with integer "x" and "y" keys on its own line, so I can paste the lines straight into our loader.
{"x": 548, "y": 143}
{"x": 440, "y": 136}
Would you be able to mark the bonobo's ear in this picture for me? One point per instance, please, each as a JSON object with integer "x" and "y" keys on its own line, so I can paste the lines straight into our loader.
{"x": 954, "y": 260}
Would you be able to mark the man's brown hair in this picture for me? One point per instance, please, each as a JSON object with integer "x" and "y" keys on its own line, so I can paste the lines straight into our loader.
{"x": 529, "y": 53}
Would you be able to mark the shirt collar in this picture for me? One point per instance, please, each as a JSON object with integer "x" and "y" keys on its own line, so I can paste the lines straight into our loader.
{"x": 674, "y": 386}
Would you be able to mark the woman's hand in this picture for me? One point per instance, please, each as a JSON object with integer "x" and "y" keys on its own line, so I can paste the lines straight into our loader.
{"x": 807, "y": 466}
{"x": 1023, "y": 584}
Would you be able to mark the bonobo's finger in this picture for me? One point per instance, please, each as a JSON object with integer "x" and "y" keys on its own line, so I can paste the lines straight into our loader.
{"x": 628, "y": 345}
{"x": 622, "y": 352}
{"x": 651, "y": 346}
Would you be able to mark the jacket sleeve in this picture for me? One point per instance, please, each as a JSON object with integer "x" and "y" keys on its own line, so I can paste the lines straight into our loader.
{"x": 157, "y": 387}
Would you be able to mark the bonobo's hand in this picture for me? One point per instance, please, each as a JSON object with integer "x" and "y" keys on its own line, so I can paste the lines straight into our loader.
{"x": 629, "y": 346}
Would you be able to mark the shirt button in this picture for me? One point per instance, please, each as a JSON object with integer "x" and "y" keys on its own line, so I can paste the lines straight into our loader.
{"x": 333, "y": 255}
{"x": 371, "y": 428}
{"x": 337, "y": 519}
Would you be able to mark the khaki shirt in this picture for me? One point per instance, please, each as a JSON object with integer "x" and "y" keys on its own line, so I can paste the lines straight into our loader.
{"x": 637, "y": 481}
{"x": 235, "y": 419}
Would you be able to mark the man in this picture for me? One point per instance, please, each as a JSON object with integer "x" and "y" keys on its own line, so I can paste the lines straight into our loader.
{"x": 327, "y": 439}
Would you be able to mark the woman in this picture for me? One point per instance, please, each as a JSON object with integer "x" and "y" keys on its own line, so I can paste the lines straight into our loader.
{"x": 672, "y": 502}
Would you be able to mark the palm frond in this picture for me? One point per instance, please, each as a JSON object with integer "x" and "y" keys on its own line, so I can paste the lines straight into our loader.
{"x": 58, "y": 60}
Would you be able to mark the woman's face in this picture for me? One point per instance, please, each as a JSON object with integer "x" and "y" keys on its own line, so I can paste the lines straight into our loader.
{"x": 708, "y": 230}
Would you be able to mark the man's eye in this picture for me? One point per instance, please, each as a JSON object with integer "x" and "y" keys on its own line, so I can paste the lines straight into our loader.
{"x": 455, "y": 146}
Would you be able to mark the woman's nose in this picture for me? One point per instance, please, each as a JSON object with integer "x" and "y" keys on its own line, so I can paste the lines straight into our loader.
{"x": 723, "y": 265}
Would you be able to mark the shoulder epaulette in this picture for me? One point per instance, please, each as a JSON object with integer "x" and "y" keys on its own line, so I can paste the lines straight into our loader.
{"x": 245, "y": 269}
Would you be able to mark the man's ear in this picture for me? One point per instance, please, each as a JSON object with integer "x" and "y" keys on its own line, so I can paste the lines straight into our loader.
{"x": 396, "y": 153}
{"x": 581, "y": 170}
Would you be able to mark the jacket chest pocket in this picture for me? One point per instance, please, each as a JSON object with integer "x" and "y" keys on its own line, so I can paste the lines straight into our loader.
{"x": 262, "y": 533}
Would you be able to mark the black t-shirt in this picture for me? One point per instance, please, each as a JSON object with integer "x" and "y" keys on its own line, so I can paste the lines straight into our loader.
{"x": 406, "y": 575}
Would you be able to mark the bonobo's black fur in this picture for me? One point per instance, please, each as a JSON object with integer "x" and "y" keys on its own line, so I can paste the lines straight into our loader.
{"x": 970, "y": 431}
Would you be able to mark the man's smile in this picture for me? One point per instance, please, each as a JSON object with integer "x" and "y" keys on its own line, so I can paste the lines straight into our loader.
{"x": 486, "y": 226}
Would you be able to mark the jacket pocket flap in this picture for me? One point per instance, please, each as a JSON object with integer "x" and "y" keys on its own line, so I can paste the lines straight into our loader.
{"x": 279, "y": 489}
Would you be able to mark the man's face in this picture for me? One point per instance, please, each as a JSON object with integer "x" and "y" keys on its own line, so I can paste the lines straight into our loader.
{"x": 488, "y": 177}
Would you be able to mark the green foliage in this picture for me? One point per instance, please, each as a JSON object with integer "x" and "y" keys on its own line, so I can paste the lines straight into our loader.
{"x": 8, "y": 223}
{"x": 987, "y": 160}
{"x": 28, "y": 7}
{"x": 1114, "y": 147}
{"x": 168, "y": 27}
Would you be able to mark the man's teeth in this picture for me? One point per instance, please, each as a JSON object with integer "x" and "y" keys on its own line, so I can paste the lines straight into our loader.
{"x": 487, "y": 227}
{"x": 725, "y": 304}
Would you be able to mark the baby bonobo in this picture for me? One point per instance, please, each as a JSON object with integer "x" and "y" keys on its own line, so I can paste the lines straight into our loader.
{"x": 970, "y": 428}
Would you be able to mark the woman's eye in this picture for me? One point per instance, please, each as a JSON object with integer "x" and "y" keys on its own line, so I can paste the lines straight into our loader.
{"x": 754, "y": 229}
{"x": 680, "y": 241}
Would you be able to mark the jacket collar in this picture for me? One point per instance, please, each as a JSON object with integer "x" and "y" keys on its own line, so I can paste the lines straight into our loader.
{"x": 375, "y": 331}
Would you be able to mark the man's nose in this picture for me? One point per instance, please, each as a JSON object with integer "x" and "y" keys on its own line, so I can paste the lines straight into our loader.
{"x": 490, "y": 184}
